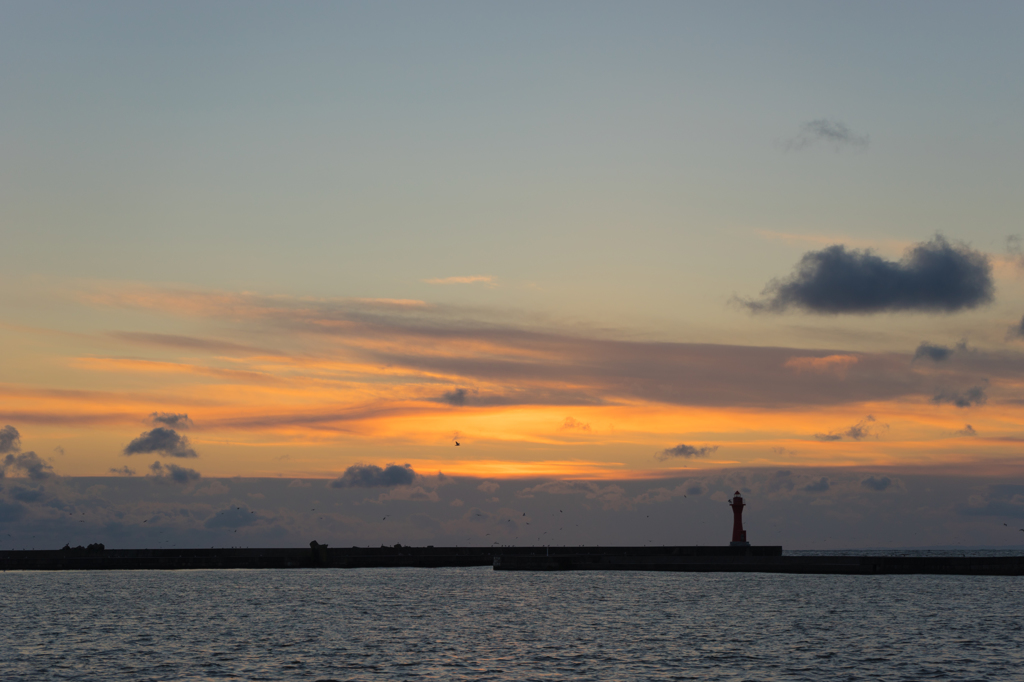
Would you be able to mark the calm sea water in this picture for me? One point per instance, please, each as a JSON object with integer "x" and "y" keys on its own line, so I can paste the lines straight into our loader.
{"x": 477, "y": 624}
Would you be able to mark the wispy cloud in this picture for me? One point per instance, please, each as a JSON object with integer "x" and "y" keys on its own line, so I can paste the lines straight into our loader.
{"x": 471, "y": 279}
{"x": 970, "y": 397}
{"x": 686, "y": 451}
{"x": 571, "y": 424}
{"x": 968, "y": 430}
{"x": 827, "y": 132}
{"x": 829, "y": 364}
{"x": 190, "y": 343}
{"x": 170, "y": 419}
{"x": 865, "y": 428}
{"x": 932, "y": 352}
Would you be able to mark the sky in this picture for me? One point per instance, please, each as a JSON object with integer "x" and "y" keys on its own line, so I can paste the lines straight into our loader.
{"x": 442, "y": 263}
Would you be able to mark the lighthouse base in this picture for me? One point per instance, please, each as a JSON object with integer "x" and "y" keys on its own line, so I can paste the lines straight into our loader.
{"x": 739, "y": 544}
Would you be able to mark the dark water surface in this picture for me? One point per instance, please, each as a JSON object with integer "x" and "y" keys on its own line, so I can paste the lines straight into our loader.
{"x": 477, "y": 624}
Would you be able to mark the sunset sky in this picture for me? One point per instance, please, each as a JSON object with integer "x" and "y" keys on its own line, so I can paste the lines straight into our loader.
{"x": 255, "y": 253}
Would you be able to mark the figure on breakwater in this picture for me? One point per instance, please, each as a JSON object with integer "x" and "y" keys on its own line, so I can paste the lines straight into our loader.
{"x": 739, "y": 536}
{"x": 319, "y": 553}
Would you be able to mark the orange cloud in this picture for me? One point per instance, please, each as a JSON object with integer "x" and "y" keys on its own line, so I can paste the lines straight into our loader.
{"x": 834, "y": 364}
{"x": 326, "y": 382}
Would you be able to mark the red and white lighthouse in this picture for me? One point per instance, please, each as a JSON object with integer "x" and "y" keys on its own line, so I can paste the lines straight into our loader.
{"x": 739, "y": 536}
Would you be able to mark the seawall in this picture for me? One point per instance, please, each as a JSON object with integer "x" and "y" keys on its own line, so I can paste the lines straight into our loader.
{"x": 321, "y": 556}
{"x": 834, "y": 565}
{"x": 759, "y": 559}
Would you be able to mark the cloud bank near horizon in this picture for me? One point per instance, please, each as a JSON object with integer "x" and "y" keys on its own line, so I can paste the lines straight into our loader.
{"x": 799, "y": 508}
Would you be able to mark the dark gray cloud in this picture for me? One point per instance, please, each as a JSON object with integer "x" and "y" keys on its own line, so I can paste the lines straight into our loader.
{"x": 137, "y": 512}
{"x": 1013, "y": 247}
{"x": 172, "y": 473}
{"x": 934, "y": 276}
{"x": 27, "y": 494}
{"x": 1006, "y": 490}
{"x": 686, "y": 451}
{"x": 1017, "y": 330}
{"x": 1003, "y": 499}
{"x": 818, "y": 486}
{"x": 170, "y": 419}
{"x": 372, "y": 476}
{"x": 10, "y": 513}
{"x": 29, "y": 463}
{"x": 122, "y": 471}
{"x": 10, "y": 440}
{"x": 932, "y": 352}
{"x": 781, "y": 481}
{"x": 456, "y": 398}
{"x": 162, "y": 441}
{"x": 460, "y": 397}
{"x": 1001, "y": 508}
{"x": 611, "y": 496}
{"x": 232, "y": 517}
{"x": 877, "y": 484}
{"x": 968, "y": 430}
{"x": 859, "y": 431}
{"x": 823, "y": 131}
{"x": 970, "y": 397}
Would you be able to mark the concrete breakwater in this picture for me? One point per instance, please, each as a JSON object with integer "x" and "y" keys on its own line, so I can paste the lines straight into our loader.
{"x": 183, "y": 559}
{"x": 322, "y": 556}
{"x": 836, "y": 565}
{"x": 690, "y": 559}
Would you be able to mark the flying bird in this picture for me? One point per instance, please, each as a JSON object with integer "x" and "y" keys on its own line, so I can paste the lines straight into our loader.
{"x": 457, "y": 443}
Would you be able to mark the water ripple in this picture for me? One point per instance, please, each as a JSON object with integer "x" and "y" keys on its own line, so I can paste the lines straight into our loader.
{"x": 477, "y": 624}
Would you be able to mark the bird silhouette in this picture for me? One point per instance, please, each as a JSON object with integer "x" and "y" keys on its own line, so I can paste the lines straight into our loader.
{"x": 457, "y": 443}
